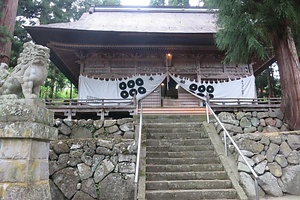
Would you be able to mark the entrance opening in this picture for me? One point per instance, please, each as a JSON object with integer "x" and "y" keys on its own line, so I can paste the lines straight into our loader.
{"x": 171, "y": 92}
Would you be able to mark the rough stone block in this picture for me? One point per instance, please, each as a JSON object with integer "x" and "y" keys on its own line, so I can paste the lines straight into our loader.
{"x": 81, "y": 195}
{"x": 294, "y": 157}
{"x": 281, "y": 160}
{"x": 127, "y": 158}
{"x": 272, "y": 151}
{"x": 245, "y": 122}
{"x": 33, "y": 191}
{"x": 89, "y": 187}
{"x": 66, "y": 180}
{"x": 127, "y": 168}
{"x": 276, "y": 139}
{"x": 81, "y": 132}
{"x": 261, "y": 167}
{"x": 291, "y": 180}
{"x": 25, "y": 110}
{"x": 250, "y": 145}
{"x": 64, "y": 129}
{"x": 275, "y": 169}
{"x": 285, "y": 149}
{"x": 249, "y": 186}
{"x": 84, "y": 171}
{"x": 294, "y": 141}
{"x": 270, "y": 185}
{"x": 27, "y": 130}
{"x": 105, "y": 143}
{"x": 103, "y": 170}
{"x": 119, "y": 187}
{"x": 262, "y": 115}
{"x": 108, "y": 123}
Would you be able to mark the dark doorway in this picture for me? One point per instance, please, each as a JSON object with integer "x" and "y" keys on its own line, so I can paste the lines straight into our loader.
{"x": 171, "y": 92}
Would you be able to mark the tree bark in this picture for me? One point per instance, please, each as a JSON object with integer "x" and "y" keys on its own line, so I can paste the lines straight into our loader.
{"x": 289, "y": 70}
{"x": 8, "y": 20}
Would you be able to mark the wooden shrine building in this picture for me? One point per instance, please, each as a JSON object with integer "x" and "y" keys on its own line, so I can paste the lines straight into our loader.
{"x": 118, "y": 43}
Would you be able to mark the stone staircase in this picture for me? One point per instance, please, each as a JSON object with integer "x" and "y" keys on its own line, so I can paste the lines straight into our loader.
{"x": 181, "y": 163}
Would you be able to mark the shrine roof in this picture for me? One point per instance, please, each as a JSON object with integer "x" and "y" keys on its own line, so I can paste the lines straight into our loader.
{"x": 143, "y": 19}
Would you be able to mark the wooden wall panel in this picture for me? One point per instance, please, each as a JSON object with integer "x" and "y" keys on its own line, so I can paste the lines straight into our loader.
{"x": 153, "y": 100}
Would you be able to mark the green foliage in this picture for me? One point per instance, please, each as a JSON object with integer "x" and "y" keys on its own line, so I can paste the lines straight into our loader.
{"x": 178, "y": 3}
{"x": 110, "y": 2}
{"x": 157, "y": 3}
{"x": 262, "y": 85}
{"x": 249, "y": 29}
{"x": 46, "y": 12}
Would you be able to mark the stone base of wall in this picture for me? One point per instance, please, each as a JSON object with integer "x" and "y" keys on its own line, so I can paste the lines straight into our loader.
{"x": 25, "y": 132}
{"x": 275, "y": 157}
{"x": 272, "y": 151}
{"x": 92, "y": 169}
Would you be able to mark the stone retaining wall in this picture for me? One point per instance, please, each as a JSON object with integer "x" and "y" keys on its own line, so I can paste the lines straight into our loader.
{"x": 116, "y": 128}
{"x": 275, "y": 157}
{"x": 102, "y": 167}
{"x": 272, "y": 151}
{"x": 250, "y": 122}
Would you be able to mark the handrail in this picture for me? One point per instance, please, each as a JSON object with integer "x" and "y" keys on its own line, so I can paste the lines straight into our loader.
{"x": 226, "y": 134}
{"x": 138, "y": 154}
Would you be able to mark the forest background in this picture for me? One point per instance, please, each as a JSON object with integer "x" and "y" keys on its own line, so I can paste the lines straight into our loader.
{"x": 35, "y": 12}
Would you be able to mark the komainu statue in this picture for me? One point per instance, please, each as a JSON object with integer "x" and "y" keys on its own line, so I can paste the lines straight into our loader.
{"x": 26, "y": 78}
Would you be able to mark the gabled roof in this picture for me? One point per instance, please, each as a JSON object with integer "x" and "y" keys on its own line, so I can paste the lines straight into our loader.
{"x": 118, "y": 27}
{"x": 144, "y": 19}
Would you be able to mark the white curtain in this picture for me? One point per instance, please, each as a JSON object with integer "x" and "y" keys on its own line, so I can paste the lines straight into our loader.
{"x": 125, "y": 88}
{"x": 241, "y": 88}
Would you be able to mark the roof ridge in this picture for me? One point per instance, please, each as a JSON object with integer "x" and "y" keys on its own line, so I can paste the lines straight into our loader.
{"x": 156, "y": 9}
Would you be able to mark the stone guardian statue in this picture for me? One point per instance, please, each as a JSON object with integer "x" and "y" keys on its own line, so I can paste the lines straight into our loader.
{"x": 26, "y": 78}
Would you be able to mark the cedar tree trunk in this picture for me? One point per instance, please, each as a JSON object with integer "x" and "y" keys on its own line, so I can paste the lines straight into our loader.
{"x": 289, "y": 69}
{"x": 8, "y": 20}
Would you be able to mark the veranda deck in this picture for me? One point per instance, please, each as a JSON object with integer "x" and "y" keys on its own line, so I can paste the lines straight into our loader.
{"x": 101, "y": 108}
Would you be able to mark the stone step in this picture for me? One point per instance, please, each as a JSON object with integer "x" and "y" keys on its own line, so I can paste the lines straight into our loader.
{"x": 180, "y": 154}
{"x": 188, "y": 184}
{"x": 177, "y": 142}
{"x": 191, "y": 194}
{"x": 171, "y": 135}
{"x": 178, "y": 148}
{"x": 213, "y": 175}
{"x": 173, "y": 118}
{"x": 181, "y": 161}
{"x": 184, "y": 168}
{"x": 173, "y": 125}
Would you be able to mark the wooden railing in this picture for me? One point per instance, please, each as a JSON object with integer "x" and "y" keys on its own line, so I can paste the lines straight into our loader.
{"x": 69, "y": 107}
{"x": 245, "y": 104}
{"x": 72, "y": 107}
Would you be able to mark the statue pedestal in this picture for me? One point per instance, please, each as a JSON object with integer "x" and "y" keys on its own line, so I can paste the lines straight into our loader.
{"x": 25, "y": 132}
